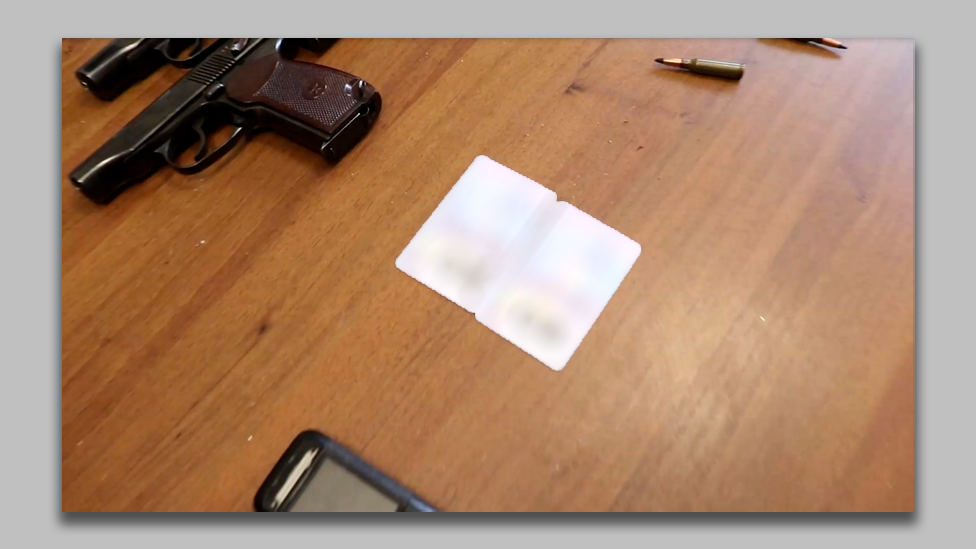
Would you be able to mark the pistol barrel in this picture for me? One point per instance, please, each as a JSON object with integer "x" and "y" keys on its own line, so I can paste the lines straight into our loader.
{"x": 119, "y": 65}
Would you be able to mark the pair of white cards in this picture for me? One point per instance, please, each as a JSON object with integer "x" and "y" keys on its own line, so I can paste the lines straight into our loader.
{"x": 536, "y": 271}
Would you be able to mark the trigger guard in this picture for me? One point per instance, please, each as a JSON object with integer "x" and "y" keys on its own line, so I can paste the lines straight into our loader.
{"x": 198, "y": 52}
{"x": 173, "y": 59}
{"x": 202, "y": 162}
{"x": 197, "y": 47}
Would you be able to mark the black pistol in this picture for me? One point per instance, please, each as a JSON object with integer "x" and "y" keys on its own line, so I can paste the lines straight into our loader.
{"x": 249, "y": 84}
{"x": 125, "y": 61}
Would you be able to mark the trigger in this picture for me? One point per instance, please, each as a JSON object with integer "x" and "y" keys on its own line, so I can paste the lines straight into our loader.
{"x": 202, "y": 135}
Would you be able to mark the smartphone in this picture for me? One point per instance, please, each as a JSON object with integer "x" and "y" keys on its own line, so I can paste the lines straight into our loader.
{"x": 317, "y": 474}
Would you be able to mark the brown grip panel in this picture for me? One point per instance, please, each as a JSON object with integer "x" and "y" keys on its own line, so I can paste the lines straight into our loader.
{"x": 320, "y": 96}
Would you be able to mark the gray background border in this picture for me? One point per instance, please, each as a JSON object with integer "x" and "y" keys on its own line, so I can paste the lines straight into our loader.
{"x": 30, "y": 306}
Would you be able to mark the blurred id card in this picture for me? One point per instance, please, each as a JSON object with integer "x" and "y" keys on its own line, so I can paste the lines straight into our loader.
{"x": 536, "y": 271}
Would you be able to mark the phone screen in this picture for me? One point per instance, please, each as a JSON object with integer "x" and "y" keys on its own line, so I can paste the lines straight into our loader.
{"x": 333, "y": 488}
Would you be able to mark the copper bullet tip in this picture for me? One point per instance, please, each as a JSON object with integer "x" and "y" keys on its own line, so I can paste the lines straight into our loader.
{"x": 825, "y": 41}
{"x": 671, "y": 61}
{"x": 834, "y": 43}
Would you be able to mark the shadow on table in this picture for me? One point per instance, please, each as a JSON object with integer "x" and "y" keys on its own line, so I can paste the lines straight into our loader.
{"x": 686, "y": 78}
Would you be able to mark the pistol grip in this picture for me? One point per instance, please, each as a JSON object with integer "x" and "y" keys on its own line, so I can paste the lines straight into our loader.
{"x": 328, "y": 100}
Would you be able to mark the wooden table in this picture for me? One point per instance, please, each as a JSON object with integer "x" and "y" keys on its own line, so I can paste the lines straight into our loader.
{"x": 759, "y": 356}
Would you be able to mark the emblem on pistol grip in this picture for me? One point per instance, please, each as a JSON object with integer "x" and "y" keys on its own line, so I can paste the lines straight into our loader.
{"x": 313, "y": 89}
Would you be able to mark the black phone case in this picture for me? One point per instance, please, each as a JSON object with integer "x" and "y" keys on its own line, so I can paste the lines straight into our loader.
{"x": 330, "y": 449}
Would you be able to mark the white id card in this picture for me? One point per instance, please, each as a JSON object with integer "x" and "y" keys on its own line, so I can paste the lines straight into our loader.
{"x": 535, "y": 271}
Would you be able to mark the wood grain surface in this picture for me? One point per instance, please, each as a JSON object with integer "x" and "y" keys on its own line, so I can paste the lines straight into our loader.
{"x": 758, "y": 357}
